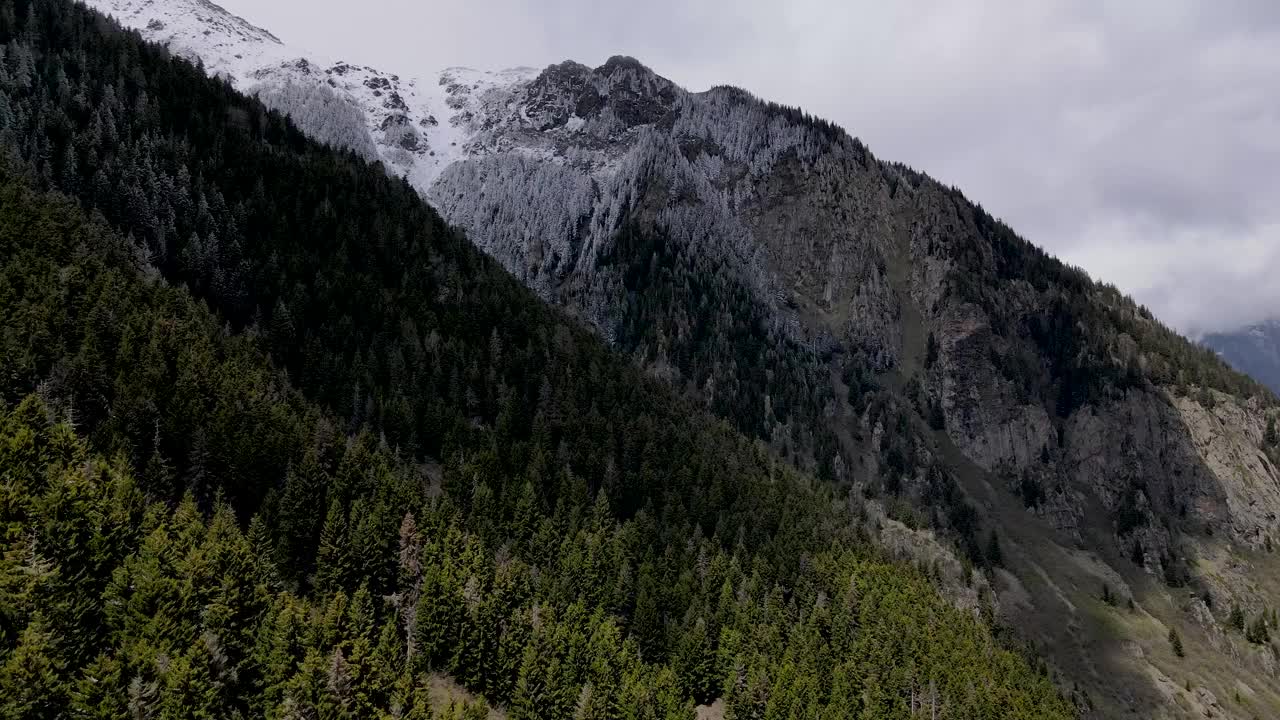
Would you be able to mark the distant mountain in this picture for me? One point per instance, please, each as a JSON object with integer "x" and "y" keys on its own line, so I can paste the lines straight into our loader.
{"x": 867, "y": 324}
{"x": 1254, "y": 350}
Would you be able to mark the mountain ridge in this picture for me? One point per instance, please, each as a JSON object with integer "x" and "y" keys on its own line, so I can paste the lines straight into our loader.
{"x": 415, "y": 125}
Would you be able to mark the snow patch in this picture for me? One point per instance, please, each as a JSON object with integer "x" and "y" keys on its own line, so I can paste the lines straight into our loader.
{"x": 417, "y": 126}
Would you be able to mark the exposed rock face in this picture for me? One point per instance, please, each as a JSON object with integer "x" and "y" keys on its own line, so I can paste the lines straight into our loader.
{"x": 398, "y": 131}
{"x": 851, "y": 256}
{"x": 555, "y": 95}
{"x": 1226, "y": 439}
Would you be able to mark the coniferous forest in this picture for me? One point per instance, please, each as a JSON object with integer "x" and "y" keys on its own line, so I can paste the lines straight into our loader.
{"x": 277, "y": 442}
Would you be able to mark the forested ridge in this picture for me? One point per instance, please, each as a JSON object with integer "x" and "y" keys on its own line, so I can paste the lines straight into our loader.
{"x": 1083, "y": 340}
{"x": 277, "y": 442}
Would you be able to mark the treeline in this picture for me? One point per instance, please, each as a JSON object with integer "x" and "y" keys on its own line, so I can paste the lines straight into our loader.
{"x": 279, "y": 442}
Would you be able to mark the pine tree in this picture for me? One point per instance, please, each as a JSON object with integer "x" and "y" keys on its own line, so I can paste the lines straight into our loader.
{"x": 30, "y": 686}
{"x": 1236, "y": 618}
{"x": 994, "y": 555}
{"x": 1258, "y": 632}
{"x": 1175, "y": 641}
{"x": 694, "y": 663}
{"x": 99, "y": 692}
{"x": 333, "y": 558}
{"x": 646, "y": 622}
{"x": 438, "y": 618}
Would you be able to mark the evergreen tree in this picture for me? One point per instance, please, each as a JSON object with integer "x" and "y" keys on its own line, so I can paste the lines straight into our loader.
{"x": 333, "y": 560}
{"x": 1236, "y": 618}
{"x": 994, "y": 555}
{"x": 30, "y": 686}
{"x": 1259, "y": 633}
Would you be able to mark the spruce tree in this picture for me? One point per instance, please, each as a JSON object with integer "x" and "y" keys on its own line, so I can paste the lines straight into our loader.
{"x": 30, "y": 682}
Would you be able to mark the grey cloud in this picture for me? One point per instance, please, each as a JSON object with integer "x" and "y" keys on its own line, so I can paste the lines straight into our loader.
{"x": 1140, "y": 140}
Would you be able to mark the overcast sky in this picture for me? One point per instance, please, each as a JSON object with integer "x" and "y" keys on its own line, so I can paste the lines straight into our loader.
{"x": 1138, "y": 139}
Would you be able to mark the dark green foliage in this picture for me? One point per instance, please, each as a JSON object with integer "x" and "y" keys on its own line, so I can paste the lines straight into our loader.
{"x": 937, "y": 417}
{"x": 274, "y": 441}
{"x": 994, "y": 555}
{"x": 687, "y": 313}
{"x": 190, "y": 625}
{"x": 1085, "y": 331}
{"x": 1030, "y": 490}
{"x": 1236, "y": 618}
{"x": 1175, "y": 641}
{"x": 1129, "y": 513}
{"x": 1259, "y": 631}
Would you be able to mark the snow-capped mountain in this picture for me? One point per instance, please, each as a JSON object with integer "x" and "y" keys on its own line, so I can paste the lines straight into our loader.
{"x": 541, "y": 167}
{"x": 415, "y": 124}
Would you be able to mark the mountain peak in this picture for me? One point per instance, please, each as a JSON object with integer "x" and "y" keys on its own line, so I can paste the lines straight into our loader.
{"x": 176, "y": 16}
{"x": 623, "y": 62}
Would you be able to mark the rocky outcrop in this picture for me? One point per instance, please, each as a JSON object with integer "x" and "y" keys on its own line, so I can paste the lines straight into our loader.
{"x": 1227, "y": 438}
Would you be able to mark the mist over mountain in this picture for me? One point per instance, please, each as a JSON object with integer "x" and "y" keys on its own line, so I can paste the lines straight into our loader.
{"x": 1254, "y": 350}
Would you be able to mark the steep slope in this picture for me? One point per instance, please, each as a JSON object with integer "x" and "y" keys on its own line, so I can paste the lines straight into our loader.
{"x": 1254, "y": 350}
{"x": 755, "y": 255}
{"x": 416, "y": 126}
{"x": 277, "y": 442}
{"x": 876, "y": 328}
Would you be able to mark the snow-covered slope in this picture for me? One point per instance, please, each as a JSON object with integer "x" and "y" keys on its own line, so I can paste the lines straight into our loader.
{"x": 417, "y": 125}
{"x": 539, "y": 167}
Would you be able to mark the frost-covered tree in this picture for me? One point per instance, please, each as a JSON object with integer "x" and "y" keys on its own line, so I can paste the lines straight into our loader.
{"x": 321, "y": 113}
